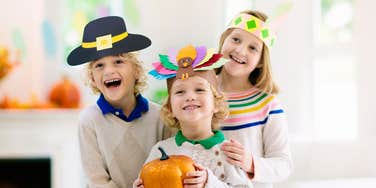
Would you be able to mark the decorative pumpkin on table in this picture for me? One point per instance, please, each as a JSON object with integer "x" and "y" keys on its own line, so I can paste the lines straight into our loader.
{"x": 166, "y": 172}
{"x": 65, "y": 94}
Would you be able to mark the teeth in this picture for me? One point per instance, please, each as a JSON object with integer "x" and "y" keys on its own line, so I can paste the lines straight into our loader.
{"x": 191, "y": 107}
{"x": 109, "y": 81}
{"x": 237, "y": 60}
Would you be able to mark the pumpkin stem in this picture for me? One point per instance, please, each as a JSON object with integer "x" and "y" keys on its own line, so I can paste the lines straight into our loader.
{"x": 164, "y": 155}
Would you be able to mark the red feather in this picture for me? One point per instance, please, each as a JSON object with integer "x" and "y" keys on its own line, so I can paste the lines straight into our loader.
{"x": 212, "y": 60}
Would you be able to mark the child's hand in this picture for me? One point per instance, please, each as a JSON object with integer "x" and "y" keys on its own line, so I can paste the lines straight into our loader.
{"x": 237, "y": 155}
{"x": 196, "y": 179}
{"x": 138, "y": 183}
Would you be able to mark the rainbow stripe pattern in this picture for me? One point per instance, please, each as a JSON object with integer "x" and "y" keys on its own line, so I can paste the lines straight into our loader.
{"x": 250, "y": 108}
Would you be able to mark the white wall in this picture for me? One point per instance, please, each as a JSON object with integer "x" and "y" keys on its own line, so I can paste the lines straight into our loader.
{"x": 23, "y": 16}
{"x": 365, "y": 29}
{"x": 174, "y": 24}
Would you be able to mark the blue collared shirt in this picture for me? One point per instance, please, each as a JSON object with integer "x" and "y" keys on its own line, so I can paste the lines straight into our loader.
{"x": 142, "y": 105}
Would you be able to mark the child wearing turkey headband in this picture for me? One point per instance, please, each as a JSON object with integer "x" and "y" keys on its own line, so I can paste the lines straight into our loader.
{"x": 256, "y": 126}
{"x": 196, "y": 107}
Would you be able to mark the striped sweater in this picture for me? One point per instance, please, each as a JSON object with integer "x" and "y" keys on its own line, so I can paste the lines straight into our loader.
{"x": 258, "y": 121}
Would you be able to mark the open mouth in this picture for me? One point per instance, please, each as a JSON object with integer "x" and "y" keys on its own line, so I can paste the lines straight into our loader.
{"x": 237, "y": 60}
{"x": 191, "y": 107}
{"x": 112, "y": 83}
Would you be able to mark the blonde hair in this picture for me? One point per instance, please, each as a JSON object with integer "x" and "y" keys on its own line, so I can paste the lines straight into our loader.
{"x": 261, "y": 76}
{"x": 140, "y": 83}
{"x": 219, "y": 102}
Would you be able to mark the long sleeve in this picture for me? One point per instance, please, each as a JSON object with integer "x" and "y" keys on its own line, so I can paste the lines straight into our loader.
{"x": 257, "y": 120}
{"x": 276, "y": 164}
{"x": 93, "y": 163}
{"x": 214, "y": 182}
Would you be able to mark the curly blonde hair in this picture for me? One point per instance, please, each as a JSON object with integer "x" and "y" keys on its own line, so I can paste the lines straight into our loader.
{"x": 261, "y": 76}
{"x": 219, "y": 102}
{"x": 140, "y": 83}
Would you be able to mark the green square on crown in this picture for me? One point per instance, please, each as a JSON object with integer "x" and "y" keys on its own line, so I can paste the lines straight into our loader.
{"x": 251, "y": 24}
{"x": 265, "y": 33}
{"x": 238, "y": 20}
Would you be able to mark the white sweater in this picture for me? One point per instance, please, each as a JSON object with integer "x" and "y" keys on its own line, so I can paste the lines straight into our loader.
{"x": 258, "y": 122}
{"x": 112, "y": 150}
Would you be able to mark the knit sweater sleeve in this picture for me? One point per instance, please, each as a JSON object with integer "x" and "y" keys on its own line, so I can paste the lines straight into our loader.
{"x": 213, "y": 181}
{"x": 94, "y": 165}
{"x": 276, "y": 164}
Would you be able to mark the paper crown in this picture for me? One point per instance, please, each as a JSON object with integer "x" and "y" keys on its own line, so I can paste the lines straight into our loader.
{"x": 183, "y": 63}
{"x": 255, "y": 26}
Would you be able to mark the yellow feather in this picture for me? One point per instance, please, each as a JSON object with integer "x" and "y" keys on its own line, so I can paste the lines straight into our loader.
{"x": 188, "y": 51}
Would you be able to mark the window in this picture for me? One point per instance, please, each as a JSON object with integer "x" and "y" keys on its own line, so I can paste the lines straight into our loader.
{"x": 335, "y": 97}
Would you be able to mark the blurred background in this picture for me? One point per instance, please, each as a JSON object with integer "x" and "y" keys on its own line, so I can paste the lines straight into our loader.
{"x": 322, "y": 61}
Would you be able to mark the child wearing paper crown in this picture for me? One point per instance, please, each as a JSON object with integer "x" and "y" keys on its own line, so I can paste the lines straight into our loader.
{"x": 196, "y": 107}
{"x": 117, "y": 133}
{"x": 256, "y": 126}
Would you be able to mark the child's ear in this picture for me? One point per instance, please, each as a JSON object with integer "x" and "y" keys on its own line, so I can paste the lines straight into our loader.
{"x": 216, "y": 108}
{"x": 259, "y": 65}
{"x": 170, "y": 109}
{"x": 92, "y": 84}
{"x": 136, "y": 75}
{"x": 136, "y": 71}
{"x": 92, "y": 81}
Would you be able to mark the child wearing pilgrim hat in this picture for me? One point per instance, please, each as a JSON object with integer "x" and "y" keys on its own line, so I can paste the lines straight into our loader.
{"x": 117, "y": 133}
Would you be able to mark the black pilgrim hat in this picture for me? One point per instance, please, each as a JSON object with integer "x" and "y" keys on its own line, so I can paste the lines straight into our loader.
{"x": 104, "y": 37}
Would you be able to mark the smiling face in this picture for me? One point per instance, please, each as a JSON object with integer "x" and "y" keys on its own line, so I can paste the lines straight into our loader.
{"x": 244, "y": 51}
{"x": 114, "y": 77}
{"x": 192, "y": 101}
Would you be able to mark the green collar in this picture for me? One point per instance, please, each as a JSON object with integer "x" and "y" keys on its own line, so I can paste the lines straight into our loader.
{"x": 208, "y": 143}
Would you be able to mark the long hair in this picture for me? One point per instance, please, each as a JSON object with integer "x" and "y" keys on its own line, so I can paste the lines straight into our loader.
{"x": 261, "y": 76}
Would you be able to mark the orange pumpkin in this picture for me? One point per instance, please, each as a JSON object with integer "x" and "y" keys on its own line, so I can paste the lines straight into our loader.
{"x": 166, "y": 172}
{"x": 65, "y": 94}
{"x": 5, "y": 102}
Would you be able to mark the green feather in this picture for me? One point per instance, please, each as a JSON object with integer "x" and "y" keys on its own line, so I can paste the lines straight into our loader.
{"x": 166, "y": 62}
